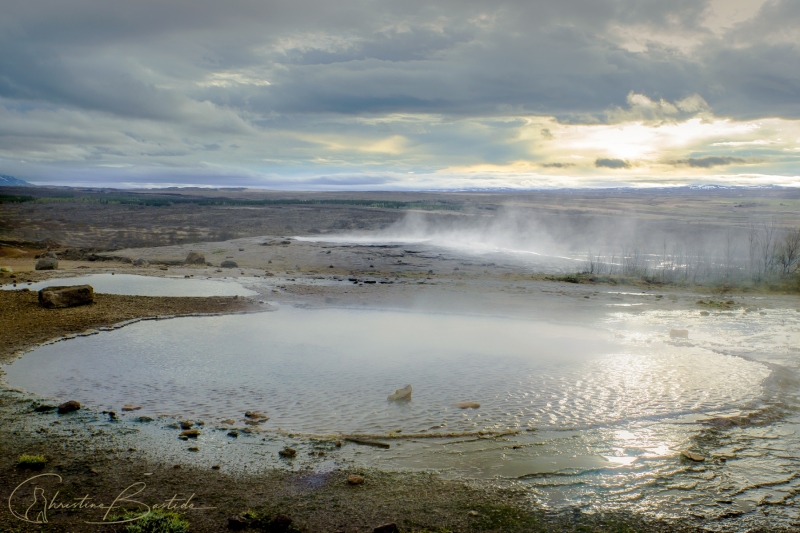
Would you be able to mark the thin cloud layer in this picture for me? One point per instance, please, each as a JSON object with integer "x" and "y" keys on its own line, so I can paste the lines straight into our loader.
{"x": 376, "y": 94}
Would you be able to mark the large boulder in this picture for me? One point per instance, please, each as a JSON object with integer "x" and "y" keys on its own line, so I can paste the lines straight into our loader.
{"x": 55, "y": 297}
{"x": 47, "y": 263}
{"x": 195, "y": 258}
{"x": 228, "y": 264}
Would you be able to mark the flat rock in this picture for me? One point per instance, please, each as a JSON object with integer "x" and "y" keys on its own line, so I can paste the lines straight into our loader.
{"x": 692, "y": 456}
{"x": 190, "y": 433}
{"x": 131, "y": 407}
{"x": 255, "y": 415}
{"x": 467, "y": 405}
{"x": 46, "y": 263}
{"x": 228, "y": 264}
{"x": 68, "y": 407}
{"x": 59, "y": 297}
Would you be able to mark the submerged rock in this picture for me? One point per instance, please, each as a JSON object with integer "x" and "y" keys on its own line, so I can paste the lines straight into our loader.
{"x": 46, "y": 263}
{"x": 68, "y": 407}
{"x": 195, "y": 258}
{"x": 679, "y": 333}
{"x": 401, "y": 394}
{"x": 467, "y": 405}
{"x": 59, "y": 297}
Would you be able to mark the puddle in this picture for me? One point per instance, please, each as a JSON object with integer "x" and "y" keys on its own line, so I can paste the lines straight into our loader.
{"x": 133, "y": 285}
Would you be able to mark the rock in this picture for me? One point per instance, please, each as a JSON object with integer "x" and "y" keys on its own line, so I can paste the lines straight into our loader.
{"x": 193, "y": 449}
{"x": 280, "y": 523}
{"x": 237, "y": 523}
{"x": 255, "y": 415}
{"x": 46, "y": 263}
{"x": 58, "y": 297}
{"x": 228, "y": 264}
{"x": 692, "y": 456}
{"x": 6, "y": 270}
{"x": 704, "y": 313}
{"x": 234, "y": 434}
{"x": 144, "y": 419}
{"x": 355, "y": 479}
{"x": 51, "y": 255}
{"x": 186, "y": 424}
{"x": 141, "y": 262}
{"x": 190, "y": 433}
{"x": 131, "y": 407}
{"x": 44, "y": 408}
{"x": 228, "y": 422}
{"x": 679, "y": 333}
{"x": 368, "y": 442}
{"x": 68, "y": 407}
{"x": 215, "y": 467}
{"x": 473, "y": 513}
{"x": 287, "y": 452}
{"x": 467, "y": 405}
{"x": 386, "y": 528}
{"x": 401, "y": 394}
{"x": 195, "y": 258}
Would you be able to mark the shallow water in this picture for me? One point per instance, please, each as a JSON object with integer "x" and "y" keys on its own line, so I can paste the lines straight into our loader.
{"x": 613, "y": 401}
{"x": 133, "y": 285}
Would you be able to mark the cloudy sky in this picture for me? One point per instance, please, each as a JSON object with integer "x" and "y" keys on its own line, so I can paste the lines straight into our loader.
{"x": 380, "y": 94}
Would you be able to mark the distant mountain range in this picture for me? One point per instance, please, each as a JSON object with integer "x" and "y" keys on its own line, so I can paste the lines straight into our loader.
{"x": 9, "y": 181}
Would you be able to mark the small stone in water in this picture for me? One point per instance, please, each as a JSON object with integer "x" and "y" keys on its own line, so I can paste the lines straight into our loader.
{"x": 287, "y": 452}
{"x": 467, "y": 405}
{"x": 255, "y": 415}
{"x": 131, "y": 407}
{"x": 186, "y": 424}
{"x": 401, "y": 394}
{"x": 679, "y": 333}
{"x": 191, "y": 433}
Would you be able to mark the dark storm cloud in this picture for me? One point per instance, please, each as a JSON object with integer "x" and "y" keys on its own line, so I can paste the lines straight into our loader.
{"x": 611, "y": 163}
{"x": 543, "y": 57}
{"x": 261, "y": 87}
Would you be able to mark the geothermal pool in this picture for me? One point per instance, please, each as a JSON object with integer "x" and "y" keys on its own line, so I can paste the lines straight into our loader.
{"x": 601, "y": 409}
{"x": 330, "y": 370}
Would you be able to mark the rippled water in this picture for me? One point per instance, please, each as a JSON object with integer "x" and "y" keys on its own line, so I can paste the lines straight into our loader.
{"x": 603, "y": 408}
{"x": 130, "y": 284}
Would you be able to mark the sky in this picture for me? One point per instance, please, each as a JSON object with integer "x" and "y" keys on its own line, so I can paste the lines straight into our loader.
{"x": 398, "y": 95}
